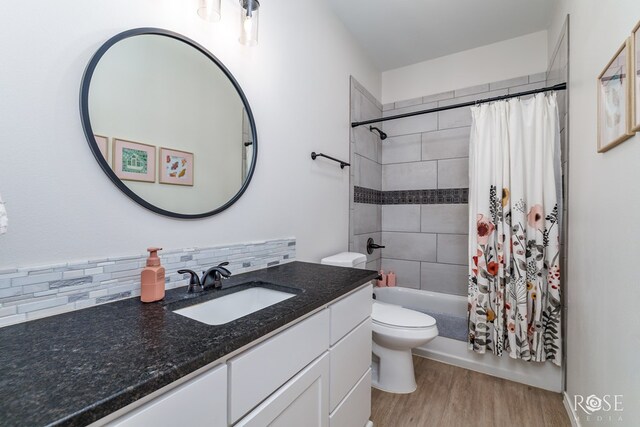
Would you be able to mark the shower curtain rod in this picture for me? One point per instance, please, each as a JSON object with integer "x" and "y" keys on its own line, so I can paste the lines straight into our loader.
{"x": 561, "y": 86}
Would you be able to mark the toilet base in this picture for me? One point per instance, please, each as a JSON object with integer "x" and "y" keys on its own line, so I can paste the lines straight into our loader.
{"x": 394, "y": 370}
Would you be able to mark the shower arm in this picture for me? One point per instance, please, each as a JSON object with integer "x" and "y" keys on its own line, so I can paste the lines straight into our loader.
{"x": 383, "y": 135}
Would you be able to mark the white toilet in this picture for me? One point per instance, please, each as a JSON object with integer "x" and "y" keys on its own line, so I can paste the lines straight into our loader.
{"x": 396, "y": 331}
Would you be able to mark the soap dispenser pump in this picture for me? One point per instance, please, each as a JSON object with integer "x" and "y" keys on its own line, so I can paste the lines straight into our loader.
{"x": 152, "y": 279}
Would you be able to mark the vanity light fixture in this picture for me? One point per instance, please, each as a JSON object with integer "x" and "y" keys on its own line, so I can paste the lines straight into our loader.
{"x": 209, "y": 10}
{"x": 249, "y": 22}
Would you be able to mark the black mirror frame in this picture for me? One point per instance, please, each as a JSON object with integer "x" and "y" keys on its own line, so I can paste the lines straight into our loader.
{"x": 88, "y": 131}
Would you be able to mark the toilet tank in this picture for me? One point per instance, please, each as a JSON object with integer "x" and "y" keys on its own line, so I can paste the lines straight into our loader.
{"x": 346, "y": 259}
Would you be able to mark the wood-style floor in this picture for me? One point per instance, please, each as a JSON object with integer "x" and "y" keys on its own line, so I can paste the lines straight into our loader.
{"x": 452, "y": 396}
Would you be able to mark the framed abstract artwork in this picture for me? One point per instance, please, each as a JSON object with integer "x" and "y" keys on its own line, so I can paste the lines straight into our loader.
{"x": 635, "y": 69}
{"x": 103, "y": 145}
{"x": 133, "y": 161}
{"x": 176, "y": 167}
{"x": 615, "y": 104}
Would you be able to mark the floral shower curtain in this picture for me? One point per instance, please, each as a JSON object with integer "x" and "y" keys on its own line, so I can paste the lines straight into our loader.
{"x": 514, "y": 247}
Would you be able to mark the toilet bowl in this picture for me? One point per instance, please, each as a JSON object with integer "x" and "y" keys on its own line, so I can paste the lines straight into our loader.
{"x": 396, "y": 331}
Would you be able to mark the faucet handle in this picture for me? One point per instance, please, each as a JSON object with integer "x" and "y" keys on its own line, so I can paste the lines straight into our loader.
{"x": 223, "y": 271}
{"x": 194, "y": 280}
{"x": 219, "y": 273}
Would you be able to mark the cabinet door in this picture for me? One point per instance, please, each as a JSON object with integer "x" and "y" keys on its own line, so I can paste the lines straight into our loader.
{"x": 303, "y": 401}
{"x": 355, "y": 409}
{"x": 257, "y": 373}
{"x": 350, "y": 358}
{"x": 199, "y": 402}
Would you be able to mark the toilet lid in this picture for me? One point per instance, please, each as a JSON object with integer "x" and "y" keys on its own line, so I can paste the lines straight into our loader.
{"x": 394, "y": 315}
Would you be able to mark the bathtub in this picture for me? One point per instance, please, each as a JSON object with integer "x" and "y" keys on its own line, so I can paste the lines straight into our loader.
{"x": 452, "y": 309}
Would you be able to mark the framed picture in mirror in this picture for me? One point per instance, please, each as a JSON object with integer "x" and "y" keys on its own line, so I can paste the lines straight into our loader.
{"x": 615, "y": 100}
{"x": 635, "y": 69}
{"x": 176, "y": 167}
{"x": 134, "y": 161}
{"x": 103, "y": 146}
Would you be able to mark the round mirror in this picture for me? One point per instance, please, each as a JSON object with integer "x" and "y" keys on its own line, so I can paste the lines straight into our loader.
{"x": 168, "y": 123}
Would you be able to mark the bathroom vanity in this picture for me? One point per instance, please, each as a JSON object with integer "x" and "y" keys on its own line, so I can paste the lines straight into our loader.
{"x": 302, "y": 361}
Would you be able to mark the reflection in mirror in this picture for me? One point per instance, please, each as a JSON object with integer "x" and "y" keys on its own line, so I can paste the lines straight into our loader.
{"x": 171, "y": 124}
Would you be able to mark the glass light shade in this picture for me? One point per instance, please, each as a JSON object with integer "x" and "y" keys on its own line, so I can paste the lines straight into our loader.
{"x": 249, "y": 22}
{"x": 209, "y": 10}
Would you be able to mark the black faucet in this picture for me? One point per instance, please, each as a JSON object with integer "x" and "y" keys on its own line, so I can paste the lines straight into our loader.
{"x": 215, "y": 275}
{"x": 218, "y": 272}
{"x": 194, "y": 282}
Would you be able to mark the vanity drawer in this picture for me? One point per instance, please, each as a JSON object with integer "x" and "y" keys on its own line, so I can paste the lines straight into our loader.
{"x": 255, "y": 374}
{"x": 350, "y": 358}
{"x": 347, "y": 313}
{"x": 355, "y": 409}
{"x": 199, "y": 402}
{"x": 303, "y": 401}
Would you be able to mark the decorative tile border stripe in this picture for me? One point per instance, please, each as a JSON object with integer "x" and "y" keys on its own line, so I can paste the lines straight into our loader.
{"x": 411, "y": 197}
{"x": 35, "y": 292}
{"x": 367, "y": 195}
{"x": 426, "y": 197}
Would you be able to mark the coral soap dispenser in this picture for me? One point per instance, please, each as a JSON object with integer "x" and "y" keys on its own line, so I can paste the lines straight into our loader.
{"x": 152, "y": 279}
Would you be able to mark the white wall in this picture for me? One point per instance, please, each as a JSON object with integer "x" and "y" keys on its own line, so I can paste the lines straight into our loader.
{"x": 499, "y": 61}
{"x": 296, "y": 80}
{"x": 604, "y": 232}
{"x": 561, "y": 9}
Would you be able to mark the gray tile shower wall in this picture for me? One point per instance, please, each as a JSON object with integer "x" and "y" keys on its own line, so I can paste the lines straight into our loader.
{"x": 34, "y": 292}
{"x": 365, "y": 215}
{"x": 425, "y": 179}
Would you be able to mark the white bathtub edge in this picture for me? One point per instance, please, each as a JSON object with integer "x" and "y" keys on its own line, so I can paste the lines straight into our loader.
{"x": 542, "y": 375}
{"x": 453, "y": 352}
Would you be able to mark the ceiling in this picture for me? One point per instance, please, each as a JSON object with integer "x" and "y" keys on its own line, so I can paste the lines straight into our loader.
{"x": 396, "y": 33}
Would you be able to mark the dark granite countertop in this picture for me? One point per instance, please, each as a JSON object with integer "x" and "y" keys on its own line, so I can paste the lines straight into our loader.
{"x": 75, "y": 368}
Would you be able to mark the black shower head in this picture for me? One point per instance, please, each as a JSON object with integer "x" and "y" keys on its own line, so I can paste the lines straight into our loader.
{"x": 383, "y": 135}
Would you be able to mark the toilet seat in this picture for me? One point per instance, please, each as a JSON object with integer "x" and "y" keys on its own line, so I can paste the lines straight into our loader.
{"x": 397, "y": 330}
{"x": 394, "y": 316}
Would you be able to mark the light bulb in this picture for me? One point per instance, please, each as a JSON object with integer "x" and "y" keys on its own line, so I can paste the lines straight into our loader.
{"x": 247, "y": 27}
{"x": 209, "y": 10}
{"x": 249, "y": 22}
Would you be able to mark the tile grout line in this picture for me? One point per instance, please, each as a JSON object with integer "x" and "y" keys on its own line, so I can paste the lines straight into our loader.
{"x": 425, "y": 161}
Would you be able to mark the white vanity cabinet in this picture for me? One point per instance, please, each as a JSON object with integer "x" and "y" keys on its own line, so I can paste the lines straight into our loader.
{"x": 350, "y": 356}
{"x": 334, "y": 390}
{"x": 303, "y": 401}
{"x": 199, "y": 402}
{"x": 261, "y": 370}
{"x": 314, "y": 373}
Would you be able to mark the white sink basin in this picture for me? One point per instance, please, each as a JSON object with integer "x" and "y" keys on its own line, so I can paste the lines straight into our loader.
{"x": 233, "y": 306}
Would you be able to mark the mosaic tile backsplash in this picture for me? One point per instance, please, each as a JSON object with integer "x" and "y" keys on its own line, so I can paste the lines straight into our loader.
{"x": 35, "y": 292}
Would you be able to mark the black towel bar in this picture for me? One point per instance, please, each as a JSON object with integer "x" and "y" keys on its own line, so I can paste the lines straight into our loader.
{"x": 315, "y": 155}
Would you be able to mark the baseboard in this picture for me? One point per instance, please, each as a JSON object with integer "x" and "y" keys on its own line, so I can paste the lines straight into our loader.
{"x": 573, "y": 417}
